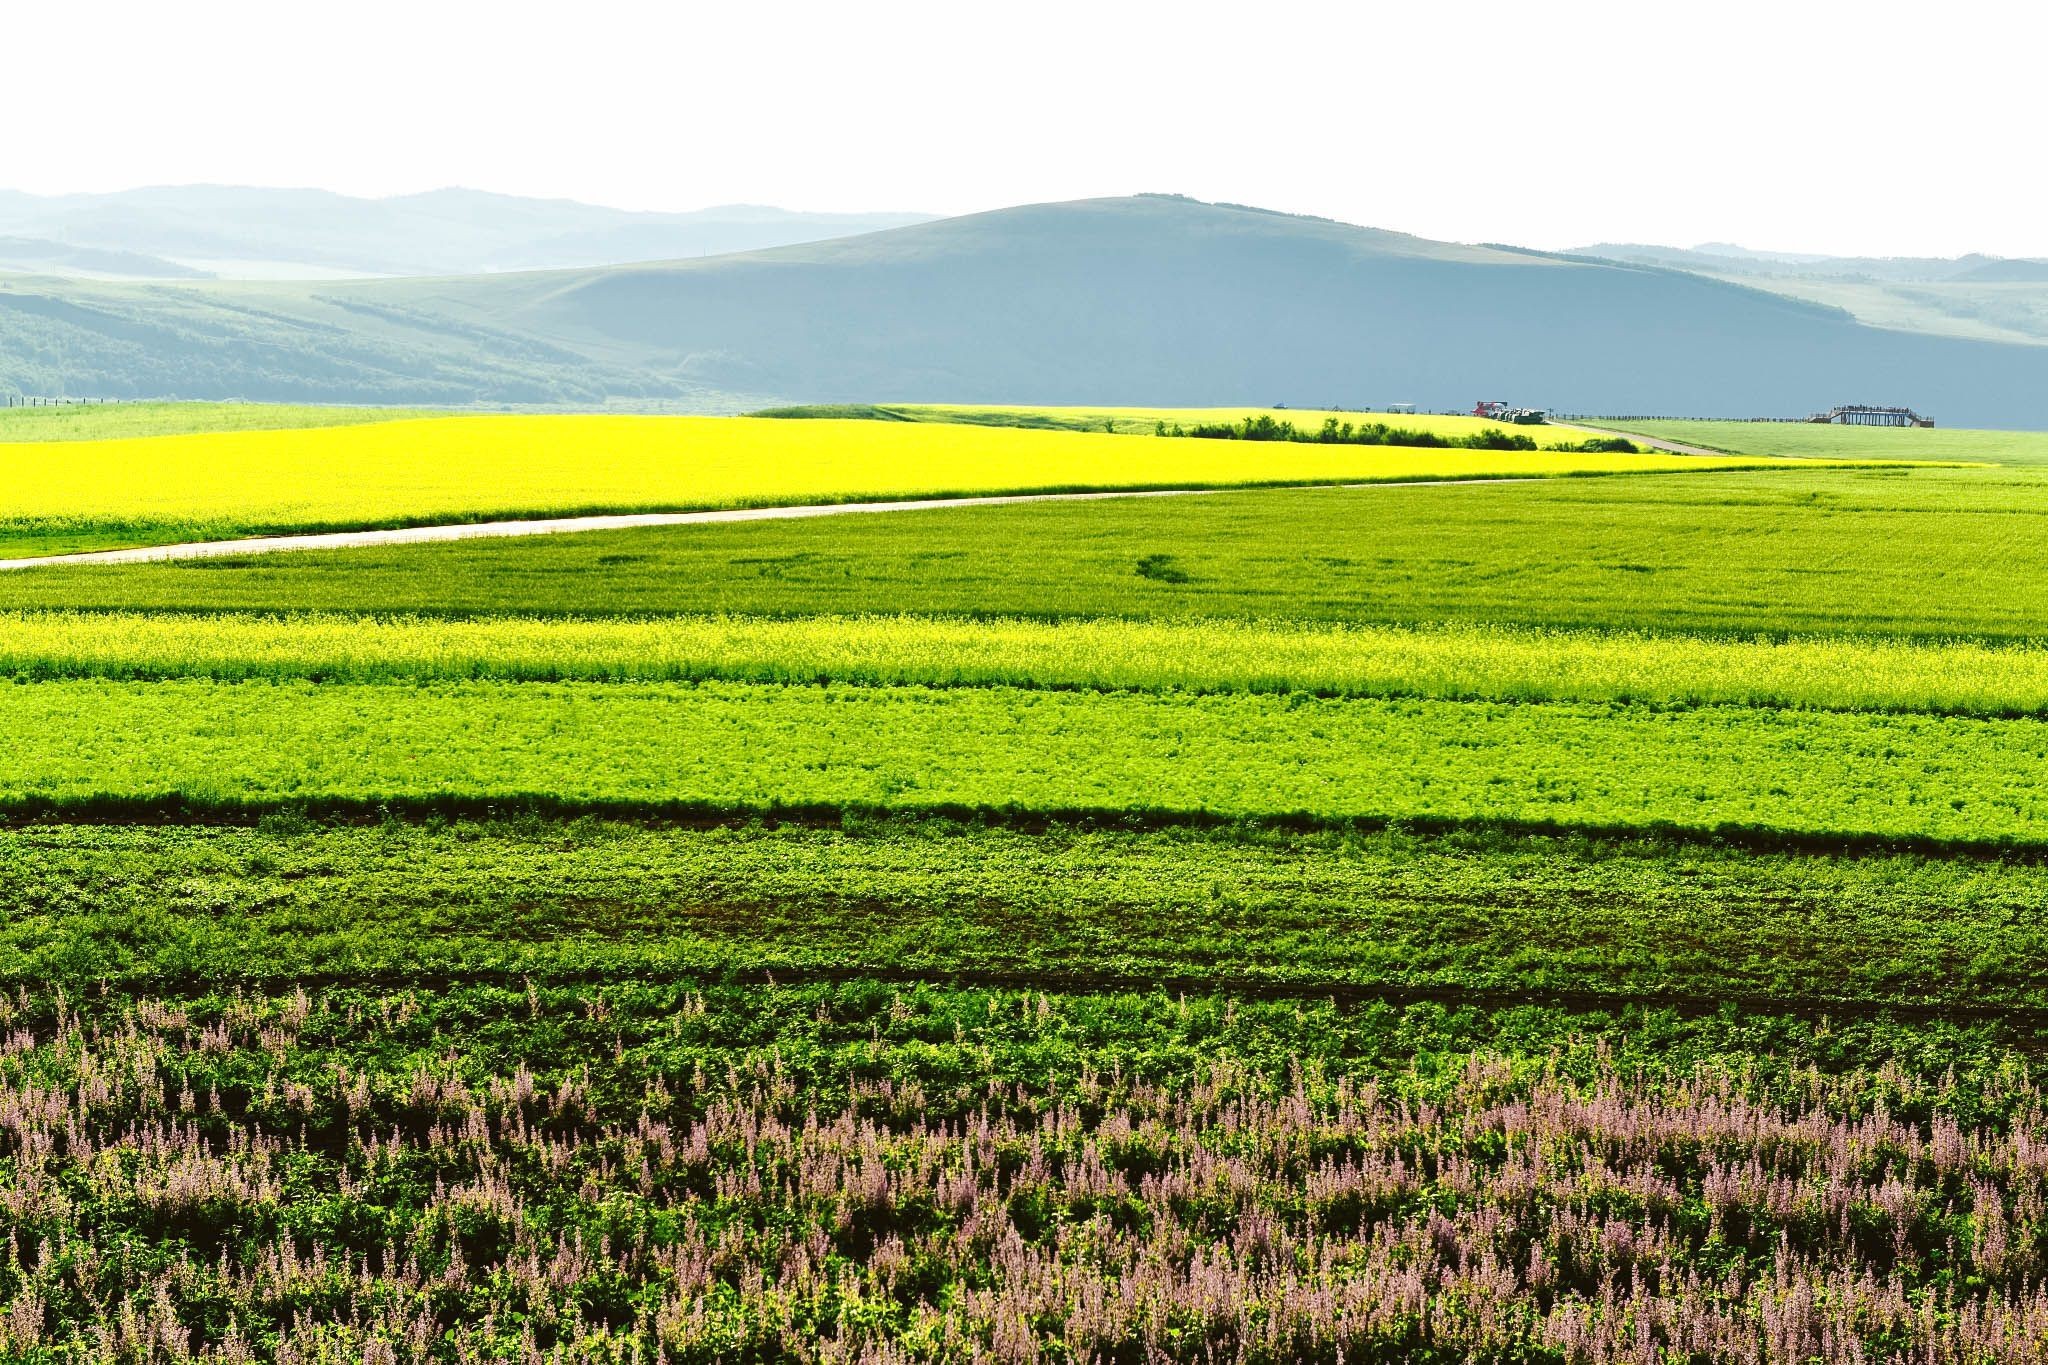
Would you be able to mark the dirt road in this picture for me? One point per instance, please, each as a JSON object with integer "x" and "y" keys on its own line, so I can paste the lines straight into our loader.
{"x": 1655, "y": 443}
{"x": 416, "y": 535}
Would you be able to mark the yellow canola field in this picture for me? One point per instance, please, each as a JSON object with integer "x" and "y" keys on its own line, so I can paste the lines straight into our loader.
{"x": 473, "y": 468}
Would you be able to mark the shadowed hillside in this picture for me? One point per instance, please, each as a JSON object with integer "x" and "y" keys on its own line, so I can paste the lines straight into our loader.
{"x": 1150, "y": 300}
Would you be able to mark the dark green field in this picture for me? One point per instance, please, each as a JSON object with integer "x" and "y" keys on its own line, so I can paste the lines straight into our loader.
{"x": 1465, "y": 914}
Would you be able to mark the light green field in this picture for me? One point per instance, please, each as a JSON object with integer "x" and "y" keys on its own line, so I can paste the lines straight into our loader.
{"x": 95, "y": 748}
{"x": 1934, "y": 554}
{"x": 1505, "y": 663}
{"x": 1812, "y": 440}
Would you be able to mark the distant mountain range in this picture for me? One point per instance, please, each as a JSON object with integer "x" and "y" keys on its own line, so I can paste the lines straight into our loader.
{"x": 1724, "y": 258}
{"x": 1988, "y": 298}
{"x": 226, "y": 232}
{"x": 1152, "y": 299}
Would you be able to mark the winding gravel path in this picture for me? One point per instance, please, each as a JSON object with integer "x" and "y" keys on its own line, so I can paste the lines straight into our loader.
{"x": 416, "y": 535}
{"x": 1659, "y": 443}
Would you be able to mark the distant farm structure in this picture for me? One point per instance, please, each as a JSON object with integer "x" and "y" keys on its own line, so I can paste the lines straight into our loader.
{"x": 1504, "y": 412}
{"x": 1864, "y": 415}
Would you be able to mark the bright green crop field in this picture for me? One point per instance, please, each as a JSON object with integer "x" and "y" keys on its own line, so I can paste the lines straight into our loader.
{"x": 749, "y": 749}
{"x": 1571, "y": 921}
{"x": 1929, "y": 553}
{"x": 1828, "y": 441}
{"x": 1451, "y": 662}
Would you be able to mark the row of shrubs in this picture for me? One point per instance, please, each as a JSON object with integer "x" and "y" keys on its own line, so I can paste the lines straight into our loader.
{"x": 1265, "y": 427}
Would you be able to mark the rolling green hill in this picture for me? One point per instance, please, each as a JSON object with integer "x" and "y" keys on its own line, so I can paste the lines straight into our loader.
{"x": 1993, "y": 307}
{"x": 1149, "y": 301}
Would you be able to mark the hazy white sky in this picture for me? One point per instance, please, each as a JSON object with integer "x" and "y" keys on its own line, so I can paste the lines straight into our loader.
{"x": 1865, "y": 127}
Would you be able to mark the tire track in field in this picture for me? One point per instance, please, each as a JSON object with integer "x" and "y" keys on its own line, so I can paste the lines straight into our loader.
{"x": 545, "y": 526}
{"x": 175, "y": 809}
{"x": 1343, "y": 994}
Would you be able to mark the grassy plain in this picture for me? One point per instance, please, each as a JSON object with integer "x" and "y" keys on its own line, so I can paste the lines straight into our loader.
{"x": 1506, "y": 923}
{"x": 1929, "y": 553}
{"x": 1830, "y": 442}
{"x": 396, "y": 473}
